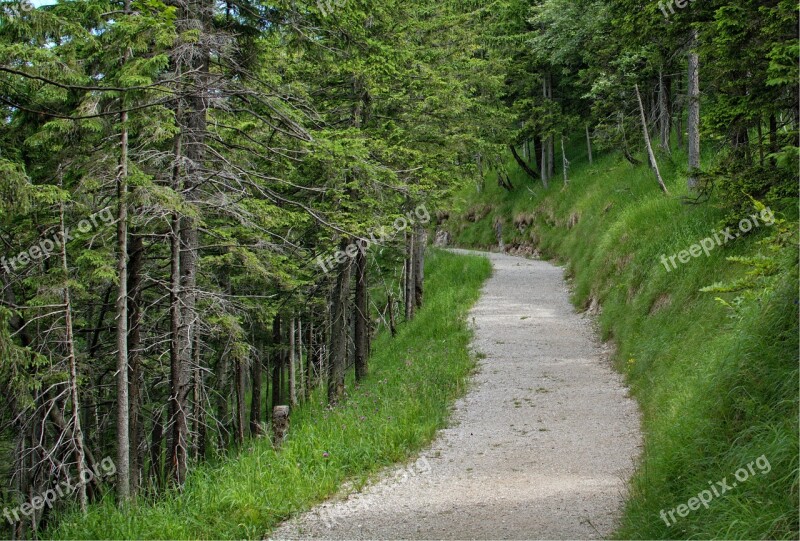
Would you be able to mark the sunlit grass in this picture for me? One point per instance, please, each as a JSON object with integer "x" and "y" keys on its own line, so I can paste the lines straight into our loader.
{"x": 716, "y": 391}
{"x": 414, "y": 379}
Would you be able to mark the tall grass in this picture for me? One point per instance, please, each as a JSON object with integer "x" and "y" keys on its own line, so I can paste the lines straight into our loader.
{"x": 413, "y": 381}
{"x": 718, "y": 386}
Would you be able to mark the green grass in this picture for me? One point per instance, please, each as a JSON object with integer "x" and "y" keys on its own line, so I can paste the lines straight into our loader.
{"x": 413, "y": 382}
{"x": 718, "y": 387}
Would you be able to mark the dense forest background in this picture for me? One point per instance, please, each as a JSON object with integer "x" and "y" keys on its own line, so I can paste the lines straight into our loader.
{"x": 209, "y": 209}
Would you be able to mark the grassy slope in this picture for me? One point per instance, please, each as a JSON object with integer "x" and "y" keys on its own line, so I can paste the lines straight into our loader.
{"x": 413, "y": 381}
{"x": 716, "y": 391}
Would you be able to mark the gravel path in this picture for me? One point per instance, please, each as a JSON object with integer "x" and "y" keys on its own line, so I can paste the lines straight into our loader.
{"x": 541, "y": 447}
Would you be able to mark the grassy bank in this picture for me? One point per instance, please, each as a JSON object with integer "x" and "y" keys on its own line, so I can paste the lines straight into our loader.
{"x": 717, "y": 384}
{"x": 414, "y": 379}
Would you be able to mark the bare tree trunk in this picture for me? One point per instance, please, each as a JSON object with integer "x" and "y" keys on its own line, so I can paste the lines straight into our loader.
{"x": 420, "y": 242}
{"x": 664, "y": 115}
{"x": 255, "y": 402}
{"x": 301, "y": 376}
{"x": 176, "y": 421}
{"x": 322, "y": 345}
{"x": 156, "y": 440}
{"x": 292, "y": 363}
{"x": 135, "y": 379}
{"x": 694, "y": 114}
{"x": 223, "y": 395}
{"x": 361, "y": 314}
{"x": 194, "y": 16}
{"x": 241, "y": 400}
{"x": 679, "y": 125}
{"x": 564, "y": 162}
{"x": 589, "y": 144}
{"x": 543, "y": 163}
{"x": 123, "y": 407}
{"x": 77, "y": 434}
{"x": 311, "y": 379}
{"x": 651, "y": 156}
{"x": 198, "y": 421}
{"x": 551, "y": 155}
{"x": 339, "y": 331}
{"x": 277, "y": 355}
{"x": 408, "y": 276}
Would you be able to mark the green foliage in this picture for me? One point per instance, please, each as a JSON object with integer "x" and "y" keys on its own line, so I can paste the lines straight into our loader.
{"x": 392, "y": 415}
{"x": 717, "y": 383}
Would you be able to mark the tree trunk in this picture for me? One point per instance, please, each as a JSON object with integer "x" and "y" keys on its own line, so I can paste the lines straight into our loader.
{"x": 198, "y": 420}
{"x": 241, "y": 399}
{"x": 310, "y": 376}
{"x": 156, "y": 439}
{"x": 693, "y": 123}
{"x": 321, "y": 351}
{"x": 679, "y": 125}
{"x": 361, "y": 313}
{"x": 589, "y": 144}
{"x": 292, "y": 363}
{"x": 773, "y": 138}
{"x": 537, "y": 151}
{"x": 301, "y": 376}
{"x": 420, "y": 243}
{"x": 255, "y": 402}
{"x": 194, "y": 16}
{"x": 650, "y": 155}
{"x": 524, "y": 166}
{"x": 177, "y": 427}
{"x": 551, "y": 166}
{"x": 392, "y": 325}
{"x": 564, "y": 162}
{"x": 664, "y": 114}
{"x": 77, "y": 434}
{"x": 339, "y": 331}
{"x": 223, "y": 395}
{"x": 543, "y": 161}
{"x": 277, "y": 344}
{"x": 408, "y": 276}
{"x": 773, "y": 134}
{"x": 123, "y": 407}
{"x": 625, "y": 150}
{"x": 135, "y": 376}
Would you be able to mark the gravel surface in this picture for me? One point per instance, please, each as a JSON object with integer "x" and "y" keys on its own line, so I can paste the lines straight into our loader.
{"x": 541, "y": 447}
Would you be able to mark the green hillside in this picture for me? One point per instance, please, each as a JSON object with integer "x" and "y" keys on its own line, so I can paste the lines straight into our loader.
{"x": 716, "y": 373}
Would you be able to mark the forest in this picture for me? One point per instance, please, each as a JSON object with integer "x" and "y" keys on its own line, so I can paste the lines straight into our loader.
{"x": 214, "y": 209}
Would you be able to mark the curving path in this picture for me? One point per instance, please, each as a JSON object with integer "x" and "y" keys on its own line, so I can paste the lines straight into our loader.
{"x": 541, "y": 447}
